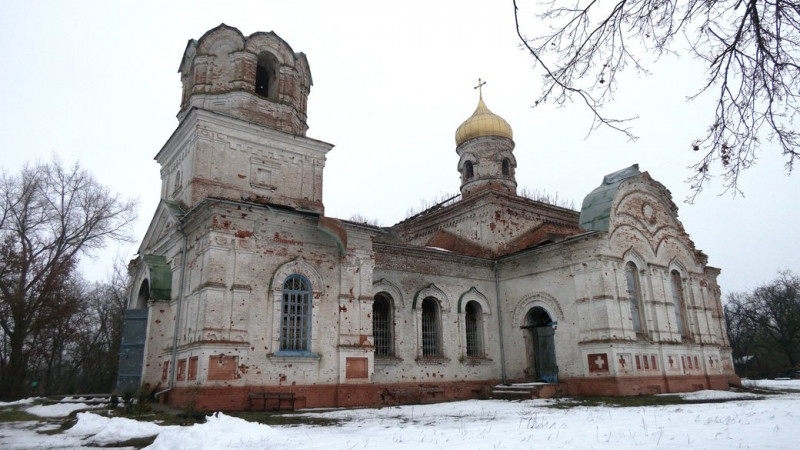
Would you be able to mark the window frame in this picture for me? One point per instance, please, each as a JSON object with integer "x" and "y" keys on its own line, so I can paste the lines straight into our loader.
{"x": 431, "y": 328}
{"x": 633, "y": 288}
{"x": 473, "y": 325}
{"x": 679, "y": 303}
{"x": 299, "y": 346}
{"x": 383, "y": 349}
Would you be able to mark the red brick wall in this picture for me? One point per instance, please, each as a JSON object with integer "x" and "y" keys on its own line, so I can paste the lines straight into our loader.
{"x": 222, "y": 367}
{"x": 645, "y": 385}
{"x": 230, "y": 398}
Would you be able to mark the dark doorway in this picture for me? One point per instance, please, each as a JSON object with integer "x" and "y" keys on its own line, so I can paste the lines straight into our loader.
{"x": 540, "y": 346}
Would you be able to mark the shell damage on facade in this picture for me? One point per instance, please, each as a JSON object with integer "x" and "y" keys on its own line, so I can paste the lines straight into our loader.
{"x": 243, "y": 288}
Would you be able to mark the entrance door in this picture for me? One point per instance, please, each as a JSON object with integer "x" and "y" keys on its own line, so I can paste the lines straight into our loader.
{"x": 131, "y": 351}
{"x": 540, "y": 346}
{"x": 546, "y": 368}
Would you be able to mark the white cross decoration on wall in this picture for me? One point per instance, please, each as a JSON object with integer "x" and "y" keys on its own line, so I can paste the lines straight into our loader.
{"x": 599, "y": 362}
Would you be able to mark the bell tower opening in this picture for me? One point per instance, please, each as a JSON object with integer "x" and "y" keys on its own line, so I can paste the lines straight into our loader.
{"x": 267, "y": 76}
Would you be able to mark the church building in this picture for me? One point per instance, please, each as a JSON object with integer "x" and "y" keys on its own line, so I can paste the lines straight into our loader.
{"x": 243, "y": 288}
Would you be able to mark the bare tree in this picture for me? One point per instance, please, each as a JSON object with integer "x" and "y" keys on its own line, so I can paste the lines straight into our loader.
{"x": 764, "y": 326}
{"x": 50, "y": 216}
{"x": 751, "y": 48}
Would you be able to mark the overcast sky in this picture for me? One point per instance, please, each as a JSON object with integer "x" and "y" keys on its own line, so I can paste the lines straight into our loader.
{"x": 97, "y": 82}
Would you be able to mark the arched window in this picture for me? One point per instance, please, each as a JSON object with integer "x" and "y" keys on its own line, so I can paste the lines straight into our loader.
{"x": 296, "y": 315}
{"x": 431, "y": 335}
{"x": 679, "y": 303}
{"x": 635, "y": 296}
{"x": 474, "y": 328}
{"x": 382, "y": 325}
{"x": 468, "y": 170}
{"x": 267, "y": 75}
{"x": 506, "y": 166}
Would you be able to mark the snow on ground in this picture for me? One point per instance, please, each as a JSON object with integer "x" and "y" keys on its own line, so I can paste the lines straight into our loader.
{"x": 104, "y": 430}
{"x": 782, "y": 383}
{"x": 768, "y": 421}
{"x": 221, "y": 431}
{"x": 714, "y": 395}
{"x": 58, "y": 409}
{"x": 24, "y": 401}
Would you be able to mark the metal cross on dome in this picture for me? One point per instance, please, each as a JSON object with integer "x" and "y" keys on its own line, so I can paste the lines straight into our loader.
{"x": 479, "y": 87}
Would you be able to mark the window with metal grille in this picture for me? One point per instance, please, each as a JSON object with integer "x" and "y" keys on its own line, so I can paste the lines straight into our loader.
{"x": 430, "y": 328}
{"x": 473, "y": 325}
{"x": 634, "y": 295}
{"x": 679, "y": 303}
{"x": 382, "y": 325}
{"x": 296, "y": 314}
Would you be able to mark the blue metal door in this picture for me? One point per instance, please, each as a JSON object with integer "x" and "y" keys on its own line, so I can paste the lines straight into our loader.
{"x": 131, "y": 352}
{"x": 546, "y": 354}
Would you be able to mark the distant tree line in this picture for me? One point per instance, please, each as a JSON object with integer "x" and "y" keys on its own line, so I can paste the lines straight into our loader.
{"x": 764, "y": 328}
{"x": 57, "y": 333}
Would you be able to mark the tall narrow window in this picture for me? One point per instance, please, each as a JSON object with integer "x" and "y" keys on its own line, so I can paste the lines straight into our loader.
{"x": 635, "y": 296}
{"x": 474, "y": 326}
{"x": 506, "y": 166}
{"x": 468, "y": 170}
{"x": 679, "y": 303}
{"x": 267, "y": 75}
{"x": 431, "y": 345}
{"x": 296, "y": 315}
{"x": 382, "y": 325}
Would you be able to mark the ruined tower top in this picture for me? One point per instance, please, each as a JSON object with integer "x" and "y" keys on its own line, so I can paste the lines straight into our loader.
{"x": 258, "y": 78}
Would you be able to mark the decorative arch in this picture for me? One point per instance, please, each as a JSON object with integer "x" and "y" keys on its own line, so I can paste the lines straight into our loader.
{"x": 300, "y": 267}
{"x": 220, "y": 38}
{"x": 631, "y": 255}
{"x": 676, "y": 264}
{"x": 431, "y": 291}
{"x": 388, "y": 287}
{"x": 474, "y": 294}
{"x": 466, "y": 156}
{"x": 540, "y": 299}
{"x": 509, "y": 155}
{"x": 271, "y": 42}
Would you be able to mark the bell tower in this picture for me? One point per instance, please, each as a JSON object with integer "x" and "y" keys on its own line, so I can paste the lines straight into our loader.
{"x": 484, "y": 143}
{"x": 243, "y": 123}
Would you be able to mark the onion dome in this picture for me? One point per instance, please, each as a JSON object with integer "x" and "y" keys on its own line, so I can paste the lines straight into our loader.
{"x": 483, "y": 123}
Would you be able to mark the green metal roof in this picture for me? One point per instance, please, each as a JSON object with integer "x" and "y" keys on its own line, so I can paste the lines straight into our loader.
{"x": 160, "y": 277}
{"x": 596, "y": 208}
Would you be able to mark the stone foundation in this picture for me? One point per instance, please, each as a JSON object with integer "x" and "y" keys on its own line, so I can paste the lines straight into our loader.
{"x": 622, "y": 386}
{"x": 328, "y": 396}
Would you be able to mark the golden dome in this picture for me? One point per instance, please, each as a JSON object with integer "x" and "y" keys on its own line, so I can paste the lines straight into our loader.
{"x": 483, "y": 123}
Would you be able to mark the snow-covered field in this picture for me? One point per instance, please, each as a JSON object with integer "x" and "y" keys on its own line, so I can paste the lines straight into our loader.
{"x": 742, "y": 421}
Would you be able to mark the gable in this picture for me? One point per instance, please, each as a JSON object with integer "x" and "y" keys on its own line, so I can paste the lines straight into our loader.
{"x": 162, "y": 226}
{"x": 643, "y": 217}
